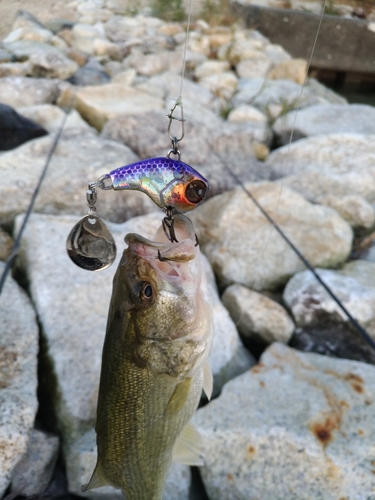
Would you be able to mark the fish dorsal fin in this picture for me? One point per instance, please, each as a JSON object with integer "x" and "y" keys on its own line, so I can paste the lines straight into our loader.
{"x": 188, "y": 449}
{"x": 208, "y": 381}
{"x": 97, "y": 480}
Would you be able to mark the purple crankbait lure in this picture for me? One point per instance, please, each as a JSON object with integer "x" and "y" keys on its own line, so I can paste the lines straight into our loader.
{"x": 169, "y": 183}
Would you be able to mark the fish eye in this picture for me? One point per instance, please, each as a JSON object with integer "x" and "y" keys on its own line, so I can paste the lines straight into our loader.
{"x": 146, "y": 292}
{"x": 195, "y": 191}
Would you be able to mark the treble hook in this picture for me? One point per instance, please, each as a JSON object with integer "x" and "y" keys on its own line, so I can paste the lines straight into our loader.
{"x": 168, "y": 225}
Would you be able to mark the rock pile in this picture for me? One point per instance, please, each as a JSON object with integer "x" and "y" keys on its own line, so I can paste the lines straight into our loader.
{"x": 295, "y": 425}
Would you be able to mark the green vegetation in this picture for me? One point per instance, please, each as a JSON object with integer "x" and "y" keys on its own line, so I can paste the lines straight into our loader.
{"x": 169, "y": 10}
{"x": 217, "y": 12}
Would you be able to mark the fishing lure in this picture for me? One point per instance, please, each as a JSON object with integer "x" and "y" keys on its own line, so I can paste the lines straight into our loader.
{"x": 171, "y": 184}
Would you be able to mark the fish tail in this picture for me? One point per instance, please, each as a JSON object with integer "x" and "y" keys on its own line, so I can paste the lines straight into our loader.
{"x": 97, "y": 480}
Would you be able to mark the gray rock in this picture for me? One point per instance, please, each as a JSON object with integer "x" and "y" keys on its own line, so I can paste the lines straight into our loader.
{"x": 257, "y": 316}
{"x": 353, "y": 208}
{"x": 14, "y": 69}
{"x": 263, "y": 93}
{"x": 52, "y": 65}
{"x": 79, "y": 158}
{"x": 335, "y": 164}
{"x": 318, "y": 187}
{"x": 168, "y": 85}
{"x": 51, "y": 117}
{"x": 297, "y": 426}
{"x": 81, "y": 460}
{"x": 228, "y": 357}
{"x": 19, "y": 345}
{"x": 6, "y": 244}
{"x": 84, "y": 36}
{"x": 17, "y": 91}
{"x": 33, "y": 34}
{"x": 99, "y": 104}
{"x": 23, "y": 49}
{"x": 325, "y": 119}
{"x": 323, "y": 92}
{"x": 33, "y": 473}
{"x": 5, "y": 55}
{"x": 91, "y": 73}
{"x": 361, "y": 270}
{"x": 26, "y": 19}
{"x": 254, "y": 67}
{"x": 243, "y": 248}
{"x": 310, "y": 303}
{"x": 338, "y": 340}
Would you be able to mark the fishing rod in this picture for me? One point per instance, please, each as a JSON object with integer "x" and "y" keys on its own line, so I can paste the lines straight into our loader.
{"x": 364, "y": 334}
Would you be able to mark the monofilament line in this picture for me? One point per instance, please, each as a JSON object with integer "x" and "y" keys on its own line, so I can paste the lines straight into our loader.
{"x": 17, "y": 241}
{"x": 299, "y": 100}
{"x": 185, "y": 49}
{"x": 351, "y": 319}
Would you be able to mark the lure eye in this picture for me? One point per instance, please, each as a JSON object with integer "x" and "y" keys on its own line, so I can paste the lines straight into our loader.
{"x": 146, "y": 292}
{"x": 195, "y": 191}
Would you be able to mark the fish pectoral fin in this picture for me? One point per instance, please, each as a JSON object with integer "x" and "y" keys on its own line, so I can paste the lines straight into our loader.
{"x": 179, "y": 396}
{"x": 97, "y": 480}
{"x": 208, "y": 380}
{"x": 188, "y": 449}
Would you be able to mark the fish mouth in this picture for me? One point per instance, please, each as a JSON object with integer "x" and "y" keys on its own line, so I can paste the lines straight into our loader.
{"x": 162, "y": 249}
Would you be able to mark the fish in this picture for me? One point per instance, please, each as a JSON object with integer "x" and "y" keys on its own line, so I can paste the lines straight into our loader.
{"x": 168, "y": 182}
{"x": 154, "y": 364}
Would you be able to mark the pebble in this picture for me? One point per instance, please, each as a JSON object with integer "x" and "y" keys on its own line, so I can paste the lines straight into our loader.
{"x": 19, "y": 345}
{"x": 210, "y": 67}
{"x": 222, "y": 85}
{"x": 246, "y": 113}
{"x": 294, "y": 70}
{"x": 297, "y": 426}
{"x": 258, "y": 66}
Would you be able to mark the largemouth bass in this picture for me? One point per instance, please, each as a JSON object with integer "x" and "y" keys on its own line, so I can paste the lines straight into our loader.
{"x": 154, "y": 364}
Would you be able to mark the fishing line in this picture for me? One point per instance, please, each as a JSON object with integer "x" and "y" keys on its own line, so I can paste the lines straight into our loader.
{"x": 185, "y": 49}
{"x": 17, "y": 241}
{"x": 352, "y": 320}
{"x": 361, "y": 330}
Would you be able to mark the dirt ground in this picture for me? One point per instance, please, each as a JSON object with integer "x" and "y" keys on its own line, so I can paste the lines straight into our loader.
{"x": 8, "y": 9}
